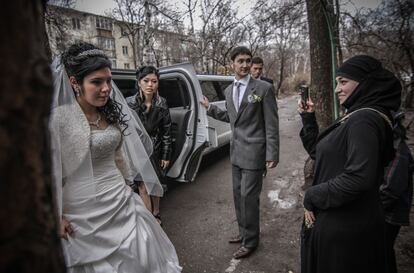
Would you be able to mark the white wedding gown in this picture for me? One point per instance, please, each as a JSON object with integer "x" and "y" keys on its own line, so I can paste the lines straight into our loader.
{"x": 113, "y": 231}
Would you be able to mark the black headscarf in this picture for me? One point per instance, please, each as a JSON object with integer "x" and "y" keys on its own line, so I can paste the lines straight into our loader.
{"x": 378, "y": 88}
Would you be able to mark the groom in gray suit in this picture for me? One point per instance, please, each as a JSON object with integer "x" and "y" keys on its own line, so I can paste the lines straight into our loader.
{"x": 252, "y": 113}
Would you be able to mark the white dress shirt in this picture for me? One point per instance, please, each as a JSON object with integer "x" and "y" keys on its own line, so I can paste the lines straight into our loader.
{"x": 244, "y": 81}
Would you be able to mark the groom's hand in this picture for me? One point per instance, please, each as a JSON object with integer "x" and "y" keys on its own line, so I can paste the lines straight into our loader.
{"x": 205, "y": 102}
{"x": 270, "y": 164}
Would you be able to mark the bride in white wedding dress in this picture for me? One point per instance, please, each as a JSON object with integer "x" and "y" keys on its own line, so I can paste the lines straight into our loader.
{"x": 97, "y": 148}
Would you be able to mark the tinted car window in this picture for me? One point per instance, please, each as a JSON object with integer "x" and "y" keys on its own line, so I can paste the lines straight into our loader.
{"x": 175, "y": 91}
{"x": 126, "y": 86}
{"x": 214, "y": 90}
{"x": 224, "y": 84}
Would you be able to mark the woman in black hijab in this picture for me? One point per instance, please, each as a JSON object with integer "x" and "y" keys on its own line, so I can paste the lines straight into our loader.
{"x": 343, "y": 228}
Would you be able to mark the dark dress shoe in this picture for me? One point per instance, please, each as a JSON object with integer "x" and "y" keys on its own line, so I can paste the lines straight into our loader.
{"x": 236, "y": 239}
{"x": 243, "y": 252}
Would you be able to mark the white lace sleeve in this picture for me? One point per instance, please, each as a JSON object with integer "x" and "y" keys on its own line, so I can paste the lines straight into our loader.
{"x": 121, "y": 163}
{"x": 56, "y": 163}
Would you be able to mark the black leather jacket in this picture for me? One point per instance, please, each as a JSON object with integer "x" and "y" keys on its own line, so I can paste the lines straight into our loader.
{"x": 157, "y": 122}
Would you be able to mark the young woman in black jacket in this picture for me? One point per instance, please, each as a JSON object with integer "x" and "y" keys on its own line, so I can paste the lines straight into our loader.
{"x": 153, "y": 111}
{"x": 344, "y": 228}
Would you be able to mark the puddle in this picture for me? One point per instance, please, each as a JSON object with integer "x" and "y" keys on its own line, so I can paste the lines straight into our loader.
{"x": 285, "y": 203}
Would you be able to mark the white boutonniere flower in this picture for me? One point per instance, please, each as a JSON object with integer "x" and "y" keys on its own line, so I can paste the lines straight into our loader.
{"x": 253, "y": 98}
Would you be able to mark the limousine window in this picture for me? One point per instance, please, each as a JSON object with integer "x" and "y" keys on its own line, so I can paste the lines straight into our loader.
{"x": 223, "y": 85}
{"x": 174, "y": 90}
{"x": 126, "y": 86}
{"x": 213, "y": 90}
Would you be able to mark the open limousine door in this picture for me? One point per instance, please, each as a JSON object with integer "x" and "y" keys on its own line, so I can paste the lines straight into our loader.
{"x": 180, "y": 86}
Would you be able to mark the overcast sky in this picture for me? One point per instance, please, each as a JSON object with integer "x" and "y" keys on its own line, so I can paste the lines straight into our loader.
{"x": 101, "y": 6}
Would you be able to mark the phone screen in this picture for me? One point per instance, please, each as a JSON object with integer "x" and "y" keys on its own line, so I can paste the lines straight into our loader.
{"x": 304, "y": 93}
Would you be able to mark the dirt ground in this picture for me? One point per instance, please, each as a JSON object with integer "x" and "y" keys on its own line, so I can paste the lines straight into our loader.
{"x": 289, "y": 219}
{"x": 199, "y": 217}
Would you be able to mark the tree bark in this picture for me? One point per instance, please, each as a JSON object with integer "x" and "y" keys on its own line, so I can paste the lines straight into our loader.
{"x": 134, "y": 51}
{"x": 321, "y": 65}
{"x": 28, "y": 222}
{"x": 281, "y": 73}
{"x": 337, "y": 34}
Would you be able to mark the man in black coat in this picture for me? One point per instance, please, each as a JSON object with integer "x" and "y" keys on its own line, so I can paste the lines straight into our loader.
{"x": 256, "y": 70}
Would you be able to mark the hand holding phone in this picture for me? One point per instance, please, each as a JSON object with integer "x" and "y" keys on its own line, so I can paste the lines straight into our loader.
{"x": 304, "y": 95}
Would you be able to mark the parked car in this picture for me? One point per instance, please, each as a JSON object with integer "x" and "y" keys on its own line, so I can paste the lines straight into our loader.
{"x": 193, "y": 132}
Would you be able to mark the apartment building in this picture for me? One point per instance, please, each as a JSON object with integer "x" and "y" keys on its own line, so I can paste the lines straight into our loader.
{"x": 66, "y": 26}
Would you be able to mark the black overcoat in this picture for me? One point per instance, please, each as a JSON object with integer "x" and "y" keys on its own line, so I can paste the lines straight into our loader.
{"x": 348, "y": 235}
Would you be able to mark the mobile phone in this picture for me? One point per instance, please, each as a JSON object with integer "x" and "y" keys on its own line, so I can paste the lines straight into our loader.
{"x": 304, "y": 95}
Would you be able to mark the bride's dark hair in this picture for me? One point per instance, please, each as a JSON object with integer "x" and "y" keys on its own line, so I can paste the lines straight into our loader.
{"x": 80, "y": 60}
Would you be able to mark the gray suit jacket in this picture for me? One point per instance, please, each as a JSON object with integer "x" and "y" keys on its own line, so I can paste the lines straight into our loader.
{"x": 255, "y": 126}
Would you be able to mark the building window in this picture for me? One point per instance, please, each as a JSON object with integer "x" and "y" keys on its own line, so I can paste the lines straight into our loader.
{"x": 106, "y": 43}
{"x": 103, "y": 23}
{"x": 126, "y": 65}
{"x": 125, "y": 50}
{"x": 124, "y": 33}
{"x": 76, "y": 23}
{"x": 113, "y": 63}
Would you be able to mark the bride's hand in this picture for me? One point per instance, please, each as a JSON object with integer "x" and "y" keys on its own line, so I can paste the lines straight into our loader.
{"x": 205, "y": 102}
{"x": 65, "y": 229}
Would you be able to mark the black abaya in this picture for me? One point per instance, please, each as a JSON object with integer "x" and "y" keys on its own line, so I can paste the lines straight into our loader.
{"x": 348, "y": 235}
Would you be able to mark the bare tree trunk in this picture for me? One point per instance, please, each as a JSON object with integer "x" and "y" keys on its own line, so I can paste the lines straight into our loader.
{"x": 281, "y": 74}
{"x": 337, "y": 34}
{"x": 190, "y": 6}
{"x": 134, "y": 51}
{"x": 46, "y": 45}
{"x": 321, "y": 66}
{"x": 146, "y": 47}
{"x": 28, "y": 222}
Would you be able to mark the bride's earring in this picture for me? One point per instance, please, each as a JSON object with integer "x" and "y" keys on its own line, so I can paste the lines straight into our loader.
{"x": 77, "y": 91}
